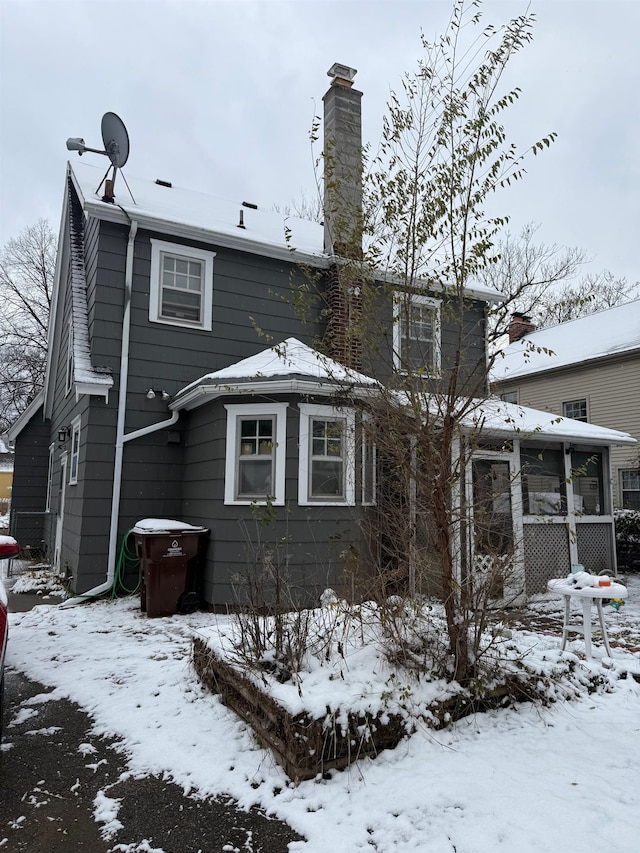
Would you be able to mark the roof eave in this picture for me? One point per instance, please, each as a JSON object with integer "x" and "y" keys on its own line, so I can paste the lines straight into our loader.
{"x": 204, "y": 393}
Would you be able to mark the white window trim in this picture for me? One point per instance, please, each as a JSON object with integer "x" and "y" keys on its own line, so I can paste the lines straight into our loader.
{"x": 74, "y": 456}
{"x": 584, "y": 400}
{"x": 307, "y": 412}
{"x": 52, "y": 448}
{"x": 255, "y": 410}
{"x": 68, "y": 380}
{"x": 367, "y": 444}
{"x": 155, "y": 290}
{"x": 399, "y": 299}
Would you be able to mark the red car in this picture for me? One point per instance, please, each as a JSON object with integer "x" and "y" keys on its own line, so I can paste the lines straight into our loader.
{"x": 8, "y": 548}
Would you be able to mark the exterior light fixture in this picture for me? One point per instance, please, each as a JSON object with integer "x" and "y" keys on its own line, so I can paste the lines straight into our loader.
{"x": 63, "y": 434}
{"x": 152, "y": 393}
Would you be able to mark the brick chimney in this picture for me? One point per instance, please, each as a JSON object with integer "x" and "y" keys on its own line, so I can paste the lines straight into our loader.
{"x": 519, "y": 326}
{"x": 342, "y": 164}
{"x": 343, "y": 213}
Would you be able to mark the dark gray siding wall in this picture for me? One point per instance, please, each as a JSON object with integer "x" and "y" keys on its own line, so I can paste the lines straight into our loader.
{"x": 308, "y": 540}
{"x": 29, "y": 491}
{"x": 467, "y": 337}
{"x": 163, "y": 357}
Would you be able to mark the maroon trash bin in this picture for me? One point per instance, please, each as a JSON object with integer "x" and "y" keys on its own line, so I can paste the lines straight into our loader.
{"x": 170, "y": 554}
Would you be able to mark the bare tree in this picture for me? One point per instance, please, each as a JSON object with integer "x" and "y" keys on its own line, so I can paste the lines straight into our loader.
{"x": 27, "y": 268}
{"x": 426, "y": 234}
{"x": 539, "y": 280}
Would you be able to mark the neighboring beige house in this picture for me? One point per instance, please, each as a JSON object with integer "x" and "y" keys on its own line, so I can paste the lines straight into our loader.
{"x": 6, "y": 477}
{"x": 587, "y": 369}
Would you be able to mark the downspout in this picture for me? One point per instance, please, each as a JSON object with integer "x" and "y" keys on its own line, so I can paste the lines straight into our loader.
{"x": 121, "y": 438}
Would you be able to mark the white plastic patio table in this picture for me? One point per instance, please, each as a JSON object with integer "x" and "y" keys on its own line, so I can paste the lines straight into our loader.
{"x": 588, "y": 596}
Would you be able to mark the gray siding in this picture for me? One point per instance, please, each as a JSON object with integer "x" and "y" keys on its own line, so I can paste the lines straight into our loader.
{"x": 29, "y": 490}
{"x": 313, "y": 538}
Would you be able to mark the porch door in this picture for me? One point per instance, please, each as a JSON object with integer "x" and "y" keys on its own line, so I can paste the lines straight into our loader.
{"x": 493, "y": 545}
{"x": 62, "y": 493}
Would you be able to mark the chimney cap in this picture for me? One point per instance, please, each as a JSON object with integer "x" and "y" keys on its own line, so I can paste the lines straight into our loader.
{"x": 342, "y": 71}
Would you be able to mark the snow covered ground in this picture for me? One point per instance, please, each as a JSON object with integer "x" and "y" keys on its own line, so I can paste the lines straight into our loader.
{"x": 530, "y": 778}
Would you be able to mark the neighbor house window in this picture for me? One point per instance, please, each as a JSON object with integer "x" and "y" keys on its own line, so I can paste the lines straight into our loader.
{"x": 181, "y": 290}
{"x": 256, "y": 453}
{"x": 630, "y": 481}
{"x": 75, "y": 451}
{"x": 327, "y": 455}
{"x": 509, "y": 397}
{"x": 69, "y": 362}
{"x": 416, "y": 333}
{"x": 576, "y": 409}
{"x": 50, "y": 478}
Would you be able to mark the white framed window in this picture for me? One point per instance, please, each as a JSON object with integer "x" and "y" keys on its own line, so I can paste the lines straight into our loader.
{"x": 68, "y": 381}
{"x": 52, "y": 448}
{"x": 576, "y": 409}
{"x": 255, "y": 453}
{"x": 416, "y": 333}
{"x": 509, "y": 397}
{"x": 368, "y": 463}
{"x": 326, "y": 473}
{"x": 630, "y": 483}
{"x": 75, "y": 451}
{"x": 181, "y": 289}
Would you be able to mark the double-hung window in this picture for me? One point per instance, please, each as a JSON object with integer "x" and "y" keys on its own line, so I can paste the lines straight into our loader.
{"x": 630, "y": 488}
{"x": 327, "y": 456}
{"x": 416, "y": 333}
{"x": 181, "y": 290}
{"x": 576, "y": 409}
{"x": 256, "y": 451}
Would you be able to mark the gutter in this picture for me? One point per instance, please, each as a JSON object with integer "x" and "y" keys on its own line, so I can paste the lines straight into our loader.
{"x": 121, "y": 438}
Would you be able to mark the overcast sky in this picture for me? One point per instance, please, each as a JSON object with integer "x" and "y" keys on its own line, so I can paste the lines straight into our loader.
{"x": 219, "y": 96}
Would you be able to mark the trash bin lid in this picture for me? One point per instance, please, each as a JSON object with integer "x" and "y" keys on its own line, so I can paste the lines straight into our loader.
{"x": 165, "y": 525}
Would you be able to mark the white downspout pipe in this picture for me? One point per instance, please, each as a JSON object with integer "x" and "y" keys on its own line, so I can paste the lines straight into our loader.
{"x": 121, "y": 438}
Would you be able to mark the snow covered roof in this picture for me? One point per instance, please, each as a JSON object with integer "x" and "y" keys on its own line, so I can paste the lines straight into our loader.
{"x": 287, "y": 367}
{"x": 509, "y": 420}
{"x": 226, "y": 222}
{"x": 607, "y": 333}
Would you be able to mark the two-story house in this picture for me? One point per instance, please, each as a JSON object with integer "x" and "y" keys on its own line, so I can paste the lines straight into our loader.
{"x": 184, "y": 383}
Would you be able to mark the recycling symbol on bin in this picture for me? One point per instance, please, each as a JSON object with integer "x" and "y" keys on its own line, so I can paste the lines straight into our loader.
{"x": 174, "y": 544}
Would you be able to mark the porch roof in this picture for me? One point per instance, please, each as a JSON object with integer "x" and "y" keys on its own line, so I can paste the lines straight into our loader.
{"x": 510, "y": 420}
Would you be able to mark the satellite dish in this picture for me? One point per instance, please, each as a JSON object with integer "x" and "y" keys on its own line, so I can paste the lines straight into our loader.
{"x": 116, "y": 147}
{"x": 115, "y": 139}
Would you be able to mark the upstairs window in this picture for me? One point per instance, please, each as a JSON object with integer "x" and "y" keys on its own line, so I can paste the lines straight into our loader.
{"x": 181, "y": 290}
{"x": 255, "y": 459}
{"x": 416, "y": 333}
{"x": 576, "y": 409}
{"x": 68, "y": 379}
{"x": 509, "y": 397}
{"x": 327, "y": 456}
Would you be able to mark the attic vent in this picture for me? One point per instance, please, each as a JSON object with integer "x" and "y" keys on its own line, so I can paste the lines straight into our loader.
{"x": 250, "y": 204}
{"x": 163, "y": 183}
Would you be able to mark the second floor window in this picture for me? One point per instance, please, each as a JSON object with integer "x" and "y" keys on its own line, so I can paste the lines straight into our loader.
{"x": 416, "y": 333}
{"x": 576, "y": 409}
{"x": 181, "y": 289}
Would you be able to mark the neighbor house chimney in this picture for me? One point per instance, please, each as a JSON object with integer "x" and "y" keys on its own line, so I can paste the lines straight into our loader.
{"x": 343, "y": 214}
{"x": 519, "y": 326}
